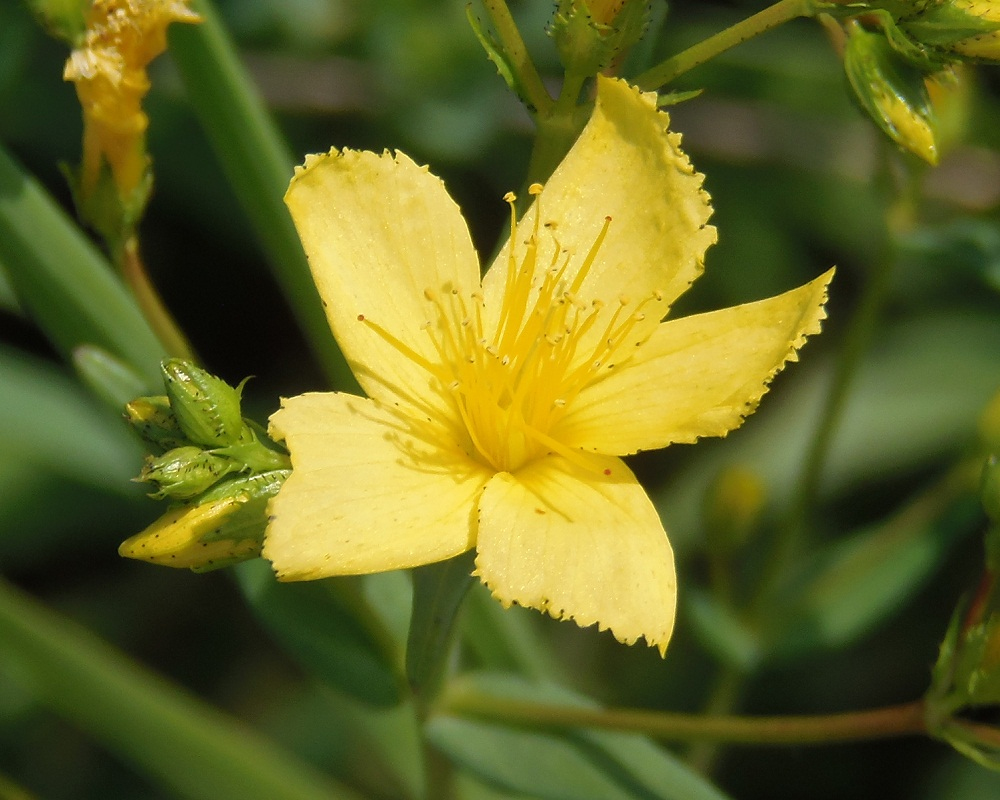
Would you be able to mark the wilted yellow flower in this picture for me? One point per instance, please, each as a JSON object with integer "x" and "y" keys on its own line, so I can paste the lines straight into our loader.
{"x": 109, "y": 70}
{"x": 497, "y": 409}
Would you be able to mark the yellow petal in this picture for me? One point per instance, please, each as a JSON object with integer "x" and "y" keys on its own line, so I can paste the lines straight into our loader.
{"x": 579, "y": 544}
{"x": 369, "y": 491}
{"x": 380, "y": 231}
{"x": 626, "y": 166}
{"x": 697, "y": 376}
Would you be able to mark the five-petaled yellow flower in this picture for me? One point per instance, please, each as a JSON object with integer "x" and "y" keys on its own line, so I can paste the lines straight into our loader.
{"x": 109, "y": 70}
{"x": 498, "y": 410}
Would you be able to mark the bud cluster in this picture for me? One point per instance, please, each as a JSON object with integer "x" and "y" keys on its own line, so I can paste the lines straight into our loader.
{"x": 900, "y": 56}
{"x": 221, "y": 467}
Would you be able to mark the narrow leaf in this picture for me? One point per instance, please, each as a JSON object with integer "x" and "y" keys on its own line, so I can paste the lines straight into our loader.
{"x": 62, "y": 281}
{"x": 570, "y": 765}
{"x": 193, "y": 749}
{"x": 327, "y": 628}
{"x": 258, "y": 165}
{"x": 438, "y": 591}
{"x": 49, "y": 421}
{"x": 855, "y": 585}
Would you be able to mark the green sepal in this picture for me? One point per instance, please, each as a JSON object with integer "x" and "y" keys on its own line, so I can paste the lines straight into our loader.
{"x": 103, "y": 208}
{"x": 223, "y": 526}
{"x": 63, "y": 19}
{"x": 942, "y": 24}
{"x": 207, "y": 408}
{"x": 248, "y": 520}
{"x": 588, "y": 46}
{"x": 506, "y": 69}
{"x": 675, "y": 98}
{"x": 256, "y": 451}
{"x": 892, "y": 91}
{"x": 185, "y": 472}
{"x": 154, "y": 421}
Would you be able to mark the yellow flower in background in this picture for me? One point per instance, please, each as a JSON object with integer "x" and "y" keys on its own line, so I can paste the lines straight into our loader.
{"x": 109, "y": 70}
{"x": 497, "y": 409}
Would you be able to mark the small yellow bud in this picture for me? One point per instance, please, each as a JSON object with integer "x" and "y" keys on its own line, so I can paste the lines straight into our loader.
{"x": 892, "y": 91}
{"x": 224, "y": 526}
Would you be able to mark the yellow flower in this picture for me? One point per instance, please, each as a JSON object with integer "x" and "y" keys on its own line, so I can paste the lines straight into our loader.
{"x": 109, "y": 70}
{"x": 497, "y": 409}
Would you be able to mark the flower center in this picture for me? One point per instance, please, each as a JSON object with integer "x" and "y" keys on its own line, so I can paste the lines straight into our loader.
{"x": 510, "y": 381}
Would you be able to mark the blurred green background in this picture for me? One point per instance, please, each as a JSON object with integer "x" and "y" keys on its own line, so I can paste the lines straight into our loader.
{"x": 792, "y": 168}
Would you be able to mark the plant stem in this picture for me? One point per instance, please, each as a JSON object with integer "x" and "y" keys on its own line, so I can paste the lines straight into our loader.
{"x": 696, "y": 55}
{"x": 861, "y": 329}
{"x": 880, "y": 723}
{"x": 513, "y": 46}
{"x": 729, "y": 684}
{"x": 163, "y": 324}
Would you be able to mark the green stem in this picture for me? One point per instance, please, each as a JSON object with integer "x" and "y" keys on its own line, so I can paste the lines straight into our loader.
{"x": 859, "y": 334}
{"x": 159, "y": 318}
{"x": 900, "y": 720}
{"x": 512, "y": 45}
{"x": 258, "y": 165}
{"x": 557, "y": 131}
{"x": 728, "y": 687}
{"x": 761, "y": 22}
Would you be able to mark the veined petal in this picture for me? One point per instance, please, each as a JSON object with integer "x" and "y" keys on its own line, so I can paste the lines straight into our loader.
{"x": 379, "y": 232}
{"x": 369, "y": 491}
{"x": 697, "y": 376}
{"x": 625, "y": 166}
{"x": 585, "y": 545}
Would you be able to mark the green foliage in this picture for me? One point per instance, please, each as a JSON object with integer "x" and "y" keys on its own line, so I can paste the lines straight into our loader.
{"x": 331, "y": 688}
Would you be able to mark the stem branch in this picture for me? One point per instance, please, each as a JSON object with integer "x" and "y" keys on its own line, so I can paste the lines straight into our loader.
{"x": 159, "y": 319}
{"x": 696, "y": 55}
{"x": 880, "y": 723}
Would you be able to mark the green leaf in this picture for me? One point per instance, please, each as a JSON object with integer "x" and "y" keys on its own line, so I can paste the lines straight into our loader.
{"x": 720, "y": 631}
{"x": 851, "y": 587}
{"x": 48, "y": 420}
{"x": 507, "y": 639}
{"x": 328, "y": 628}
{"x": 109, "y": 378}
{"x": 438, "y": 591}
{"x": 258, "y": 165}
{"x": 190, "y": 748}
{"x": 577, "y": 765}
{"x": 62, "y": 281}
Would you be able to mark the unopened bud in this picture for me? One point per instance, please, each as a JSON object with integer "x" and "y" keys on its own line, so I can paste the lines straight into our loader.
{"x": 224, "y": 526}
{"x": 892, "y": 92}
{"x": 185, "y": 472}
{"x": 207, "y": 408}
{"x": 153, "y": 420}
{"x": 593, "y": 35}
{"x": 733, "y": 505}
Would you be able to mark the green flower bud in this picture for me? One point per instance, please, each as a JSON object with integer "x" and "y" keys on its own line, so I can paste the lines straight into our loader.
{"x": 224, "y": 526}
{"x": 185, "y": 472}
{"x": 153, "y": 420}
{"x": 966, "y": 677}
{"x": 892, "y": 92}
{"x": 733, "y": 505}
{"x": 207, "y": 408}
{"x": 593, "y": 35}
